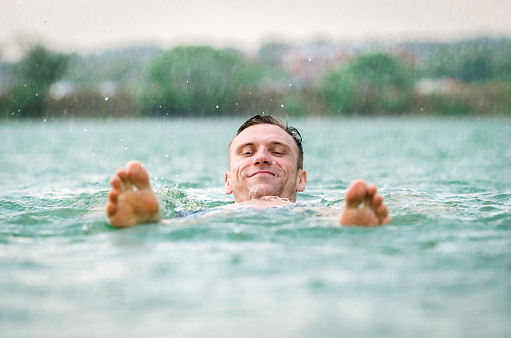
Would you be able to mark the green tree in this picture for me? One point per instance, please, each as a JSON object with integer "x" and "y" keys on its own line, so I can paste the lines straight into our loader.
{"x": 502, "y": 63}
{"x": 372, "y": 83}
{"x": 476, "y": 68}
{"x": 32, "y": 79}
{"x": 272, "y": 53}
{"x": 197, "y": 80}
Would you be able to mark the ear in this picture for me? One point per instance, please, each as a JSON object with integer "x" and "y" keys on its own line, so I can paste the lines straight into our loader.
{"x": 228, "y": 187}
{"x": 301, "y": 179}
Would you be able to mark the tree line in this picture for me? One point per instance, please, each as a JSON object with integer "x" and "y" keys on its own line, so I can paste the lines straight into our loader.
{"x": 462, "y": 78}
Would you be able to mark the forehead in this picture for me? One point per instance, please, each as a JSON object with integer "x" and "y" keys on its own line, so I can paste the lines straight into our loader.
{"x": 263, "y": 133}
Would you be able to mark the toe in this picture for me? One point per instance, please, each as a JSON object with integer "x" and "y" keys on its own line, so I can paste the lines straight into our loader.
{"x": 377, "y": 201}
{"x": 382, "y": 213}
{"x": 123, "y": 176}
{"x": 121, "y": 173}
{"x": 110, "y": 209}
{"x": 116, "y": 182}
{"x": 356, "y": 193}
{"x": 138, "y": 175}
{"x": 112, "y": 195}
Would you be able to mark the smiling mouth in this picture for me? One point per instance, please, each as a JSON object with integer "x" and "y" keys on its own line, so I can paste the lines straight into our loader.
{"x": 262, "y": 172}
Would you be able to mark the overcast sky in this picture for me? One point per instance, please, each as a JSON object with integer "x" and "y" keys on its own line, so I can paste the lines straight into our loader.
{"x": 88, "y": 25}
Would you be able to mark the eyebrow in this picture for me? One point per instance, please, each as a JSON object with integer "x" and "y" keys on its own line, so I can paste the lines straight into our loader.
{"x": 249, "y": 144}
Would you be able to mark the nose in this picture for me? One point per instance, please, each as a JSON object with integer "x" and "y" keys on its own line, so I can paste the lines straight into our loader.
{"x": 262, "y": 157}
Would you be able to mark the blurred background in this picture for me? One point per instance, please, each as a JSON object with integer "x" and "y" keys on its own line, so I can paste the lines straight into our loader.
{"x": 90, "y": 58}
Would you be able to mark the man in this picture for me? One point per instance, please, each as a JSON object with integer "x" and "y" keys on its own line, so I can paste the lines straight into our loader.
{"x": 265, "y": 169}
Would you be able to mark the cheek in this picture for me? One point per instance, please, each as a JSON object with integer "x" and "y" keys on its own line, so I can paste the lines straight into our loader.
{"x": 286, "y": 166}
{"x": 238, "y": 167}
{"x": 279, "y": 164}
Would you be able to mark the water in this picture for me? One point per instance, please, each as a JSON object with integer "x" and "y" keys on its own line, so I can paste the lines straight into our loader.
{"x": 442, "y": 268}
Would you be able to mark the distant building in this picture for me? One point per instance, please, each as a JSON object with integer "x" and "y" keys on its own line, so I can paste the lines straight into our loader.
{"x": 308, "y": 63}
{"x": 446, "y": 86}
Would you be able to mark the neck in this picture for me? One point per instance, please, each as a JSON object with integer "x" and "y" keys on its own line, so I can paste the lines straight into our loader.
{"x": 254, "y": 195}
{"x": 260, "y": 203}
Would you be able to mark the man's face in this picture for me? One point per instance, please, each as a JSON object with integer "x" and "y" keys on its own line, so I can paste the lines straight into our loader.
{"x": 264, "y": 162}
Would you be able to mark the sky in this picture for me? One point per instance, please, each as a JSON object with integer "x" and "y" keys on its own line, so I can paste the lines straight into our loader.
{"x": 86, "y": 26}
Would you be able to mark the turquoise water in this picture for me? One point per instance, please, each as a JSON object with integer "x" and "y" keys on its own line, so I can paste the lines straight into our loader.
{"x": 441, "y": 269}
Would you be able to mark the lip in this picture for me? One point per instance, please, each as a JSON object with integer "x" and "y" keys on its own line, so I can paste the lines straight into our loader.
{"x": 262, "y": 172}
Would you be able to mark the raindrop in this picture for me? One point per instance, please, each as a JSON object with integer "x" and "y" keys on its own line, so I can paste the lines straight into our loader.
{"x": 167, "y": 155}
{"x": 125, "y": 148}
{"x": 85, "y": 129}
{"x": 282, "y": 105}
{"x": 106, "y": 98}
{"x": 44, "y": 120}
{"x": 37, "y": 94}
{"x": 216, "y": 107}
{"x": 85, "y": 227}
{"x": 273, "y": 162}
{"x": 310, "y": 60}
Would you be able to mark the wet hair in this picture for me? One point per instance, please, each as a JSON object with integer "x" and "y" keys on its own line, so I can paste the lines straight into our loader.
{"x": 292, "y": 131}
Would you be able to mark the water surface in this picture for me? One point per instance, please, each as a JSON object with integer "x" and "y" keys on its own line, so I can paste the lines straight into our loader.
{"x": 442, "y": 268}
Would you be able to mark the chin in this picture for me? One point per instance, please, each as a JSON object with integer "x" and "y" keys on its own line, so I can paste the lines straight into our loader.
{"x": 263, "y": 190}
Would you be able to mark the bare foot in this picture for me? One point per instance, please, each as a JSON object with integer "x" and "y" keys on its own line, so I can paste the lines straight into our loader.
{"x": 131, "y": 200}
{"x": 363, "y": 206}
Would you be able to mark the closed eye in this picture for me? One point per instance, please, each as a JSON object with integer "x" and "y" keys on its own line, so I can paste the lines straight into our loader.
{"x": 247, "y": 152}
{"x": 278, "y": 150}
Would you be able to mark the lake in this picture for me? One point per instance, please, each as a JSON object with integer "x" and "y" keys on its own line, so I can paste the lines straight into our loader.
{"x": 441, "y": 269}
